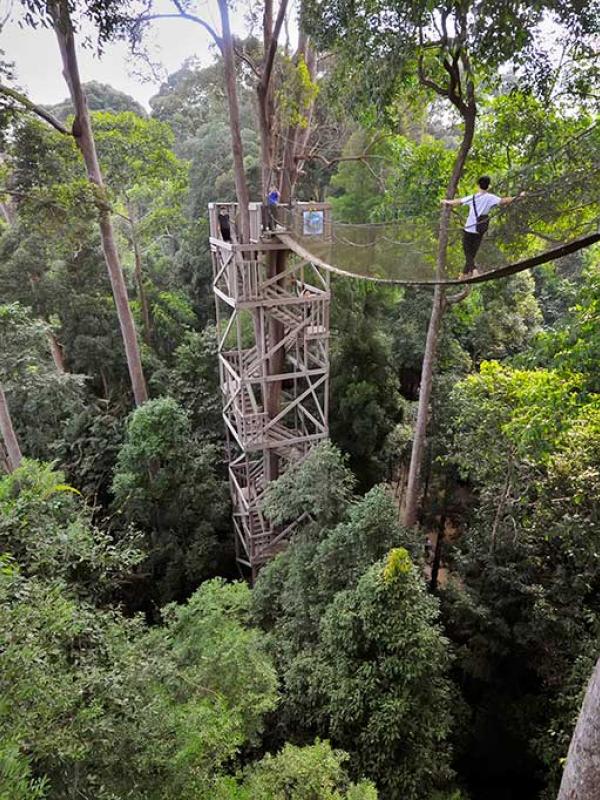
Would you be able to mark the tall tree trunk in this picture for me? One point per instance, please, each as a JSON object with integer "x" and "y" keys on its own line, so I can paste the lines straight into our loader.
{"x": 277, "y": 260}
{"x": 56, "y": 350}
{"x": 411, "y": 509}
{"x": 264, "y": 89}
{"x": 82, "y": 129}
{"x": 266, "y": 118}
{"x": 581, "y": 777}
{"x": 4, "y": 462}
{"x": 8, "y": 434}
{"x": 7, "y": 213}
{"x": 139, "y": 277}
{"x": 239, "y": 173}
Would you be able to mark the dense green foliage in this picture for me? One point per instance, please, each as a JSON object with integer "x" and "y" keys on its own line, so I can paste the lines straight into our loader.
{"x": 134, "y": 666}
{"x": 165, "y": 483}
{"x": 356, "y": 640}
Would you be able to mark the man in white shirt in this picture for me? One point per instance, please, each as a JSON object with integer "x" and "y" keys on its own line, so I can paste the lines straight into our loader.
{"x": 480, "y": 204}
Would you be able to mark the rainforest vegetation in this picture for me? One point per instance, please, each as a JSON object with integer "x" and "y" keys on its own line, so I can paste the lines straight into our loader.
{"x": 430, "y": 630}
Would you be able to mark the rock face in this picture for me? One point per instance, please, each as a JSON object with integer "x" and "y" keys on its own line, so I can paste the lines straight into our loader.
{"x": 581, "y": 778}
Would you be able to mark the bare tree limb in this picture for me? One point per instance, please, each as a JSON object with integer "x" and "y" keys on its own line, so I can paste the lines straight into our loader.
{"x": 243, "y": 56}
{"x": 181, "y": 13}
{"x": 363, "y": 159}
{"x": 459, "y": 296}
{"x": 35, "y": 109}
{"x": 425, "y": 81}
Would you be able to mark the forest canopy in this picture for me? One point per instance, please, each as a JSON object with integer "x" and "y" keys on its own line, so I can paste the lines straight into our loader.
{"x": 429, "y": 629}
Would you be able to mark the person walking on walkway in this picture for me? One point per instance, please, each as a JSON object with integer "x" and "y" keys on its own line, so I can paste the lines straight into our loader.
{"x": 480, "y": 204}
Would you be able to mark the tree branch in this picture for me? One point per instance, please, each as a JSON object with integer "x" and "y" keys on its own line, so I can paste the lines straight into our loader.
{"x": 270, "y": 56}
{"x": 363, "y": 158}
{"x": 34, "y": 108}
{"x": 425, "y": 81}
{"x": 329, "y": 162}
{"x": 243, "y": 56}
{"x": 183, "y": 14}
{"x": 454, "y": 93}
{"x": 459, "y": 296}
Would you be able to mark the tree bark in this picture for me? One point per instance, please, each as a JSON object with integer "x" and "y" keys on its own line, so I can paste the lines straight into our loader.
{"x": 7, "y": 213}
{"x": 9, "y": 436}
{"x": 82, "y": 130}
{"x": 56, "y": 350}
{"x": 239, "y": 172}
{"x": 4, "y": 463}
{"x": 581, "y": 777}
{"x": 411, "y": 509}
{"x": 264, "y": 89}
{"x": 266, "y": 113}
{"x": 139, "y": 277}
{"x": 277, "y": 261}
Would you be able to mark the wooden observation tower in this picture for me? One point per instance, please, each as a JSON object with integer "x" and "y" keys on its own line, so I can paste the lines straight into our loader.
{"x": 272, "y": 312}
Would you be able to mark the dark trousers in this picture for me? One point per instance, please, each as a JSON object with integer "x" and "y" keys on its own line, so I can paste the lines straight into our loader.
{"x": 471, "y": 244}
{"x": 269, "y": 217}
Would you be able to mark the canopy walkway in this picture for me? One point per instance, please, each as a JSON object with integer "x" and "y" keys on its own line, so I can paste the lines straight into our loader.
{"x": 551, "y": 254}
{"x": 272, "y": 320}
{"x": 404, "y": 252}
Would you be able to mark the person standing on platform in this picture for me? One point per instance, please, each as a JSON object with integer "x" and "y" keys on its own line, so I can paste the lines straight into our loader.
{"x": 480, "y": 204}
{"x": 272, "y": 203}
{"x": 224, "y": 225}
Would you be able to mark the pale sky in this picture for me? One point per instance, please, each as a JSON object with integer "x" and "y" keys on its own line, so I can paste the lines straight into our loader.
{"x": 37, "y": 60}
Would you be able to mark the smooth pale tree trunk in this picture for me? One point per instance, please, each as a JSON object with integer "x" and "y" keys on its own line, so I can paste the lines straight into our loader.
{"x": 7, "y": 213}
{"x": 139, "y": 277}
{"x": 265, "y": 106}
{"x": 82, "y": 130}
{"x": 57, "y": 353}
{"x": 239, "y": 173}
{"x": 294, "y": 142}
{"x": 9, "y": 436}
{"x": 581, "y": 777}
{"x": 411, "y": 508}
{"x": 265, "y": 117}
{"x": 266, "y": 97}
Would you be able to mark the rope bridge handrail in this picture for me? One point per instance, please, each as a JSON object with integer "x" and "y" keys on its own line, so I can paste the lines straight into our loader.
{"x": 494, "y": 274}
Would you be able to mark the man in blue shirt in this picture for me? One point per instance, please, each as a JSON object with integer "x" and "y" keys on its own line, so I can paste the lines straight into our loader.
{"x": 272, "y": 202}
{"x": 480, "y": 204}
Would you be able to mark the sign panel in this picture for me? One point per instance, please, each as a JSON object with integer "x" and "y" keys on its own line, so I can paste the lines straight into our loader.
{"x": 312, "y": 223}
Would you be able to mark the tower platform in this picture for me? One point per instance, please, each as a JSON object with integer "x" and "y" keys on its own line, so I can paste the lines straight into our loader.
{"x": 272, "y": 314}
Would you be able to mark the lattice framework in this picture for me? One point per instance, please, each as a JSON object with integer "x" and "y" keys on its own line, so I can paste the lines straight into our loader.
{"x": 273, "y": 342}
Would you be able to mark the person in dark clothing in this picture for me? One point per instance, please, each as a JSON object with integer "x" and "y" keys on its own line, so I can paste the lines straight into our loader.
{"x": 480, "y": 204}
{"x": 224, "y": 225}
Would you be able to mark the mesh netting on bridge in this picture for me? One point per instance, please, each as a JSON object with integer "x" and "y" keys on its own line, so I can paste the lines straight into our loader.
{"x": 405, "y": 250}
